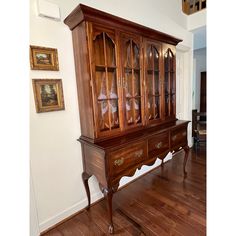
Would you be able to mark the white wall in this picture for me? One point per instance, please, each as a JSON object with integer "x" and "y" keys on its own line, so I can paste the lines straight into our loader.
{"x": 56, "y": 161}
{"x": 196, "y": 20}
{"x": 199, "y": 57}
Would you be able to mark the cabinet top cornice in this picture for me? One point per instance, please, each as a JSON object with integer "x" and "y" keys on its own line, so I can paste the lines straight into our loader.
{"x": 84, "y": 13}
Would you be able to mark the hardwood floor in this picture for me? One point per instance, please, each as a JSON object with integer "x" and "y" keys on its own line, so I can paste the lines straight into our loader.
{"x": 160, "y": 203}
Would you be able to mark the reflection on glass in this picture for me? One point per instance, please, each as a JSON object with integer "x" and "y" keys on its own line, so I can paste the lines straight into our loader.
{"x": 128, "y": 54}
{"x": 128, "y": 83}
{"x": 150, "y": 85}
{"x": 135, "y": 56}
{"x": 110, "y": 51}
{"x": 166, "y": 104}
{"x": 156, "y": 59}
{"x": 99, "y": 50}
{"x": 172, "y": 85}
{"x": 103, "y": 115}
{"x": 101, "y": 84}
{"x": 129, "y": 111}
{"x": 156, "y": 80}
{"x": 114, "y": 113}
{"x": 112, "y": 85}
{"x": 157, "y": 115}
{"x": 149, "y": 56}
{"x": 150, "y": 108}
{"x": 137, "y": 107}
{"x": 136, "y": 83}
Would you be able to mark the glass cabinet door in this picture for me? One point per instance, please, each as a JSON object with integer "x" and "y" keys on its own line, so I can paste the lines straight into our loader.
{"x": 132, "y": 81}
{"x": 153, "y": 81}
{"x": 104, "y": 63}
{"x": 169, "y": 83}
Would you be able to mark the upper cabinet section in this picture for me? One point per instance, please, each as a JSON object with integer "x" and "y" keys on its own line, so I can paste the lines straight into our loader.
{"x": 125, "y": 74}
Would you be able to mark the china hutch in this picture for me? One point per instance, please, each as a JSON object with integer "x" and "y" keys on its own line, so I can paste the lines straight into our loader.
{"x": 125, "y": 76}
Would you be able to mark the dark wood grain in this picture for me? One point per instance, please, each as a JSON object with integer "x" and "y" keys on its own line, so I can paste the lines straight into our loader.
{"x": 162, "y": 202}
{"x": 113, "y": 64}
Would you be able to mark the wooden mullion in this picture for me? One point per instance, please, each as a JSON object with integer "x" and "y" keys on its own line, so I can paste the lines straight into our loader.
{"x": 132, "y": 78}
{"x": 153, "y": 83}
{"x": 107, "y": 84}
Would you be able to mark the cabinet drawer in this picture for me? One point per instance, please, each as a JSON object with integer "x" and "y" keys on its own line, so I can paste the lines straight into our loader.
{"x": 178, "y": 137}
{"x": 125, "y": 157}
{"x": 158, "y": 144}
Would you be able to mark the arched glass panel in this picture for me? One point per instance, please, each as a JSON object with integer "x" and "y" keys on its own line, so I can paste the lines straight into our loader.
{"x": 110, "y": 51}
{"x": 99, "y": 50}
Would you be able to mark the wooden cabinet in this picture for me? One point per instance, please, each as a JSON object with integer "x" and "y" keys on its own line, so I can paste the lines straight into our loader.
{"x": 126, "y": 91}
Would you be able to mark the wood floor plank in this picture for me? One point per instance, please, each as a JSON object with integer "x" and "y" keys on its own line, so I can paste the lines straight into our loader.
{"x": 160, "y": 203}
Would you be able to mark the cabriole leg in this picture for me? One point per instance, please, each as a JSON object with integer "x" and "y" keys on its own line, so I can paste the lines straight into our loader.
{"x": 186, "y": 149}
{"x": 85, "y": 177}
{"x": 108, "y": 193}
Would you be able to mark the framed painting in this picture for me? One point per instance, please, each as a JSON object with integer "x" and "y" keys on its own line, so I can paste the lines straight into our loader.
{"x": 48, "y": 95}
{"x": 42, "y": 58}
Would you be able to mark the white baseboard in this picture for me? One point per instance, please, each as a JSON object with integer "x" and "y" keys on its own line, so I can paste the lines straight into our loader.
{"x": 68, "y": 212}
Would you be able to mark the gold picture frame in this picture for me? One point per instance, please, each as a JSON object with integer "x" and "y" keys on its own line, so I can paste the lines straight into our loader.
{"x": 48, "y": 95}
{"x": 42, "y": 58}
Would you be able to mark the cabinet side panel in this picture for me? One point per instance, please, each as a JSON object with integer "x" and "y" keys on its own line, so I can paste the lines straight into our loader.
{"x": 94, "y": 163}
{"x": 83, "y": 80}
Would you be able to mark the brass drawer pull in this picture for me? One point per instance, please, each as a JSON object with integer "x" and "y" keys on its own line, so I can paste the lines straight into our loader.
{"x": 119, "y": 162}
{"x": 184, "y": 133}
{"x": 159, "y": 145}
{"x": 138, "y": 153}
{"x": 174, "y": 137}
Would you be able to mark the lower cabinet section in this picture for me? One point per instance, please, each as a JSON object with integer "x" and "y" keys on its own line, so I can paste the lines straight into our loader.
{"x": 110, "y": 161}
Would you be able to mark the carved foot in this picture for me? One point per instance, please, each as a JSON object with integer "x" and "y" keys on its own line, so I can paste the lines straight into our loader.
{"x": 85, "y": 177}
{"x": 111, "y": 229}
{"x": 108, "y": 193}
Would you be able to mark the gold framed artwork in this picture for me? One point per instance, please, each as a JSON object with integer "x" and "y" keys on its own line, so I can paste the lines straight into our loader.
{"x": 42, "y": 58}
{"x": 48, "y": 95}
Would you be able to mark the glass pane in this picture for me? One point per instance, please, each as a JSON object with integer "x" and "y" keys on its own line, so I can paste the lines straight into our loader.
{"x": 150, "y": 82}
{"x": 171, "y": 56}
{"x": 128, "y": 83}
{"x": 156, "y": 59}
{"x": 136, "y": 83}
{"x": 103, "y": 116}
{"x": 137, "y": 107}
{"x": 150, "y": 108}
{"x": 110, "y": 51}
{"x": 172, "y": 104}
{"x": 149, "y": 57}
{"x": 166, "y": 104}
{"x": 172, "y": 83}
{"x": 129, "y": 111}
{"x": 156, "y": 79}
{"x": 114, "y": 114}
{"x": 101, "y": 85}
{"x": 112, "y": 85}
{"x": 157, "y": 111}
{"x": 166, "y": 61}
{"x": 166, "y": 82}
{"x": 127, "y": 53}
{"x": 135, "y": 56}
{"x": 99, "y": 50}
